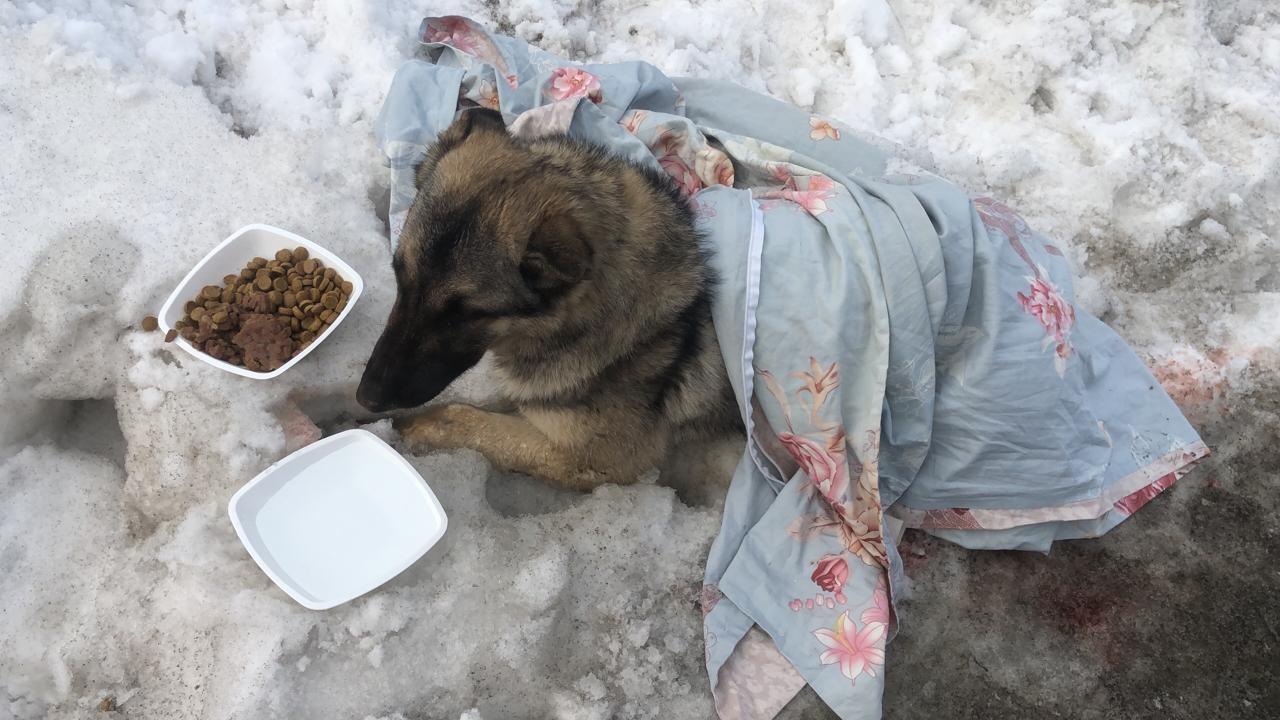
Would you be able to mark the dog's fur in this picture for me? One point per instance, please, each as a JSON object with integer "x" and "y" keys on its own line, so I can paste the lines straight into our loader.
{"x": 584, "y": 277}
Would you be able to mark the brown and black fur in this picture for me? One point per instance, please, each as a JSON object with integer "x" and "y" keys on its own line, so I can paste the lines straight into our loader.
{"x": 584, "y": 277}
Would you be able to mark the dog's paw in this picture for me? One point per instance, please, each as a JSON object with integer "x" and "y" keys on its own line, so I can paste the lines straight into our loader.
{"x": 442, "y": 427}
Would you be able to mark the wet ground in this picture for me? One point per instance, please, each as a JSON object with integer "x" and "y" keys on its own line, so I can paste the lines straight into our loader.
{"x": 1174, "y": 614}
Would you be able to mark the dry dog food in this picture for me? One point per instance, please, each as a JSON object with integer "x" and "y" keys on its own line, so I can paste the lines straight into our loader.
{"x": 266, "y": 314}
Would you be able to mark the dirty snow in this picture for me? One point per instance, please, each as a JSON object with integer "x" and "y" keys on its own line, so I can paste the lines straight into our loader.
{"x": 133, "y": 137}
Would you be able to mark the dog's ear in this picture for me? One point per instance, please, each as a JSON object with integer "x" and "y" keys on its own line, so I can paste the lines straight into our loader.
{"x": 468, "y": 122}
{"x": 557, "y": 256}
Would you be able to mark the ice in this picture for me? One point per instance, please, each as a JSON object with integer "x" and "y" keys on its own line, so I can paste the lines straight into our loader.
{"x": 1144, "y": 137}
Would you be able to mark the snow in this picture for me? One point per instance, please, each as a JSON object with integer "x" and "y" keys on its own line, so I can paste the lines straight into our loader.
{"x": 1144, "y": 136}
{"x": 176, "y": 54}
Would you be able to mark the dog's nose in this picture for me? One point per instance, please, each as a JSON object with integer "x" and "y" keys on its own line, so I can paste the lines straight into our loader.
{"x": 369, "y": 398}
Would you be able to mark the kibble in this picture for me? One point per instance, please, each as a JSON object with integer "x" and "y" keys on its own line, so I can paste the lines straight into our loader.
{"x": 264, "y": 315}
{"x": 150, "y": 323}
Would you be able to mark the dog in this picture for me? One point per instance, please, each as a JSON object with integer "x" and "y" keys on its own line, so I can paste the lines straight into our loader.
{"x": 584, "y": 277}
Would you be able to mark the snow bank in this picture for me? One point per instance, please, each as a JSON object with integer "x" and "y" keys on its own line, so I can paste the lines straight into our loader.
{"x": 180, "y": 619}
{"x": 135, "y": 136}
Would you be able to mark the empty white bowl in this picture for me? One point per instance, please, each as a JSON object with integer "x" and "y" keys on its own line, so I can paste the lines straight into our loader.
{"x": 337, "y": 518}
{"x": 229, "y": 258}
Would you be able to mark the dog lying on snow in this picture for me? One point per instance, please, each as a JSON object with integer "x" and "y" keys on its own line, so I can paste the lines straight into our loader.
{"x": 584, "y": 277}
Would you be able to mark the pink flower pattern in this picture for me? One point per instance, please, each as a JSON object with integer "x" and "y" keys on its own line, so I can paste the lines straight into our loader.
{"x": 454, "y": 32}
{"x": 690, "y": 163}
{"x": 856, "y": 651}
{"x": 831, "y": 573}
{"x": 1046, "y": 304}
{"x": 813, "y": 203}
{"x": 713, "y": 167}
{"x": 570, "y": 82}
{"x": 457, "y": 32}
{"x": 818, "y": 602}
{"x": 820, "y": 129}
{"x": 687, "y": 181}
{"x": 632, "y": 121}
{"x": 821, "y": 452}
{"x": 997, "y": 216}
{"x": 781, "y": 173}
{"x": 819, "y": 183}
{"x": 879, "y": 611}
{"x": 486, "y": 95}
{"x": 824, "y": 463}
{"x": 812, "y": 197}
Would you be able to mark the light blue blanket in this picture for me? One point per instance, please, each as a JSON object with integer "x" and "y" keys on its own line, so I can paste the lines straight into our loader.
{"x": 904, "y": 356}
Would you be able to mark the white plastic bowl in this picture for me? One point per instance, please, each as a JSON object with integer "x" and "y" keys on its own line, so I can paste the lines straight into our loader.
{"x": 229, "y": 258}
{"x": 337, "y": 518}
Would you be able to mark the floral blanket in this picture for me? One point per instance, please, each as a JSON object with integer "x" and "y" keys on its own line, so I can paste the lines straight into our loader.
{"x": 904, "y": 355}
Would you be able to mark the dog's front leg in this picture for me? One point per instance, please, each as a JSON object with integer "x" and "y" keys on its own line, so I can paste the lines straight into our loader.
{"x": 513, "y": 443}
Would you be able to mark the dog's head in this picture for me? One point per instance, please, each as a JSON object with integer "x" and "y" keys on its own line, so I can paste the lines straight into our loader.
{"x": 491, "y": 240}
